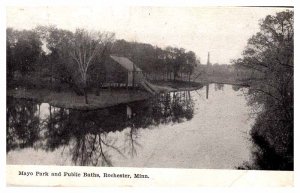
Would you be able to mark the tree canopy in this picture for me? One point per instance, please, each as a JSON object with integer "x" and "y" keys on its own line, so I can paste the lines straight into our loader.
{"x": 23, "y": 48}
{"x": 269, "y": 56}
{"x": 49, "y": 56}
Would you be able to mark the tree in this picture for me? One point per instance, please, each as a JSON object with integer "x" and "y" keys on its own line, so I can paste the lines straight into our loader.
{"x": 190, "y": 63}
{"x": 23, "y": 48}
{"x": 84, "y": 48}
{"x": 269, "y": 58}
{"x": 9, "y": 54}
{"x": 157, "y": 61}
{"x": 175, "y": 58}
{"x": 60, "y": 64}
{"x": 75, "y": 53}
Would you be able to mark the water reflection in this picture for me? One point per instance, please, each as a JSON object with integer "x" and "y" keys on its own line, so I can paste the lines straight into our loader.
{"x": 219, "y": 86}
{"x": 23, "y": 124}
{"x": 85, "y": 135}
{"x": 207, "y": 90}
{"x": 236, "y": 87}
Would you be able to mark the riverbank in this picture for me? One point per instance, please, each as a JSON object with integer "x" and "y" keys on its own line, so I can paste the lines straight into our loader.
{"x": 222, "y": 80}
{"x": 69, "y": 99}
{"x": 106, "y": 98}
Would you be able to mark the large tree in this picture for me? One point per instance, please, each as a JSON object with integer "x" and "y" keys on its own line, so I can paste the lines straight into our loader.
{"x": 60, "y": 65}
{"x": 84, "y": 48}
{"x": 74, "y": 53}
{"x": 190, "y": 63}
{"x": 176, "y": 59}
{"x": 269, "y": 58}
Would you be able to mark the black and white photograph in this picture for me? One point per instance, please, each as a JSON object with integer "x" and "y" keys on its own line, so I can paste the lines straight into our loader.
{"x": 207, "y": 87}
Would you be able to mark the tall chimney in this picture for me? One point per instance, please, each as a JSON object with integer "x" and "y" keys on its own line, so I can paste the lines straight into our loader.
{"x": 208, "y": 62}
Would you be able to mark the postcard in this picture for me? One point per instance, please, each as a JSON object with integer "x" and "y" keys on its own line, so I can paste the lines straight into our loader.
{"x": 149, "y": 96}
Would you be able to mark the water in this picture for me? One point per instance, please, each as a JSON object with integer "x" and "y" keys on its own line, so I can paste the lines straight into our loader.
{"x": 207, "y": 128}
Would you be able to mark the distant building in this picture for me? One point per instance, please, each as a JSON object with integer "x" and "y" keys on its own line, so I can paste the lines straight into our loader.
{"x": 121, "y": 70}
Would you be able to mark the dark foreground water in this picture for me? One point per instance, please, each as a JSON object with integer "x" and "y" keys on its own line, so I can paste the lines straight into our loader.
{"x": 207, "y": 128}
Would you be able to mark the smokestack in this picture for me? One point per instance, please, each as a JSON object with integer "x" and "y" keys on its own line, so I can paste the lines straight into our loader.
{"x": 208, "y": 62}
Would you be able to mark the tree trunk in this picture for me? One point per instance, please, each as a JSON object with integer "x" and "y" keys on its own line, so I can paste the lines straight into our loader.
{"x": 85, "y": 96}
{"x": 174, "y": 76}
{"x": 97, "y": 85}
{"x": 51, "y": 122}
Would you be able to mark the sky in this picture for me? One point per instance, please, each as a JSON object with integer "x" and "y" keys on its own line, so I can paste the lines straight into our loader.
{"x": 222, "y": 31}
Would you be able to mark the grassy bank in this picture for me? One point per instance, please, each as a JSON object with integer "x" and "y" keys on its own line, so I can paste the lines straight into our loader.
{"x": 106, "y": 98}
{"x": 69, "y": 99}
{"x": 179, "y": 85}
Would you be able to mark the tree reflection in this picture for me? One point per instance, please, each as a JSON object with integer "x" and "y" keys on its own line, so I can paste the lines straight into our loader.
{"x": 22, "y": 124}
{"x": 88, "y": 150}
{"x": 131, "y": 141}
{"x": 93, "y": 137}
{"x": 236, "y": 87}
{"x": 173, "y": 107}
{"x": 207, "y": 91}
{"x": 84, "y": 133}
{"x": 219, "y": 86}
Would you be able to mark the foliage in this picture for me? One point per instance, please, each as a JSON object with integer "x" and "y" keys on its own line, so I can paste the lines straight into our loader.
{"x": 23, "y": 48}
{"x": 269, "y": 58}
{"x": 73, "y": 54}
{"x": 155, "y": 60}
{"x": 55, "y": 58}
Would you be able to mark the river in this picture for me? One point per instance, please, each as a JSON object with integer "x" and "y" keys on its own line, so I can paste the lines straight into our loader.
{"x": 206, "y": 128}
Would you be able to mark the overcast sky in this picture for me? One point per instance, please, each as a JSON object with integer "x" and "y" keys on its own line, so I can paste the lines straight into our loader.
{"x": 221, "y": 31}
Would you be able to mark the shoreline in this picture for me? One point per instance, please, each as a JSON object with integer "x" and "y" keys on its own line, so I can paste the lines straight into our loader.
{"x": 70, "y": 100}
{"x": 106, "y": 98}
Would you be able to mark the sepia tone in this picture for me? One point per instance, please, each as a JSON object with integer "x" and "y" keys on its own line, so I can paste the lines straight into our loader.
{"x": 82, "y": 96}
